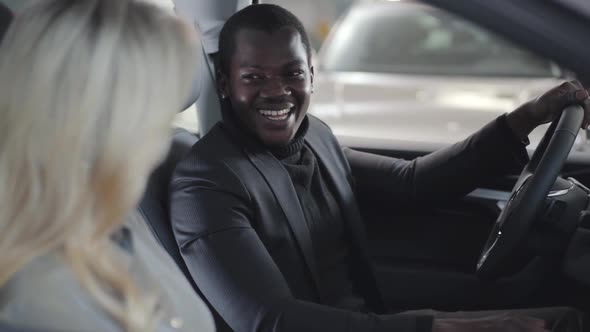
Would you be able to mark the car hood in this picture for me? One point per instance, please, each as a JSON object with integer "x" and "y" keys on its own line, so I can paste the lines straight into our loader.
{"x": 440, "y": 109}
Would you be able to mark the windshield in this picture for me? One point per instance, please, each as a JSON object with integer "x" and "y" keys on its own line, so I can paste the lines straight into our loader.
{"x": 416, "y": 39}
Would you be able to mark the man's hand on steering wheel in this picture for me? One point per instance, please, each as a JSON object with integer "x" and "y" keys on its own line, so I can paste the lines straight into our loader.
{"x": 547, "y": 107}
{"x": 568, "y": 107}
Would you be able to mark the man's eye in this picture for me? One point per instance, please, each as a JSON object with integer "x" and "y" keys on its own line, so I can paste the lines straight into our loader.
{"x": 251, "y": 76}
{"x": 296, "y": 73}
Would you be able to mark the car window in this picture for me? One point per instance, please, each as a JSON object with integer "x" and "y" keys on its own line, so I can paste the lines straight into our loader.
{"x": 409, "y": 73}
{"x": 415, "y": 39}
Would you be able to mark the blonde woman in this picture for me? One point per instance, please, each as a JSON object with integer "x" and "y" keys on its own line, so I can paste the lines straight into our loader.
{"x": 88, "y": 89}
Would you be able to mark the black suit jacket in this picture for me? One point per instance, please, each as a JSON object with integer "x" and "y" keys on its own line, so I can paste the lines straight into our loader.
{"x": 242, "y": 233}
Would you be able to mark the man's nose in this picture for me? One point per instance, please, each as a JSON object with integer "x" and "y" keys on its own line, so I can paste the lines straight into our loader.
{"x": 275, "y": 87}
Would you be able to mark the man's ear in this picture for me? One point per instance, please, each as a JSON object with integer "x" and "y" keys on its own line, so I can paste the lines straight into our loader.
{"x": 222, "y": 85}
{"x": 311, "y": 74}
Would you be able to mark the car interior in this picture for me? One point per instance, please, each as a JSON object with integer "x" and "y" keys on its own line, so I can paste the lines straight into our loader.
{"x": 154, "y": 205}
{"x": 449, "y": 256}
{"x": 428, "y": 256}
{"x": 431, "y": 259}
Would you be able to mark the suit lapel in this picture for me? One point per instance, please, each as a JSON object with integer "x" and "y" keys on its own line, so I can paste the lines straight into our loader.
{"x": 280, "y": 183}
{"x": 337, "y": 176}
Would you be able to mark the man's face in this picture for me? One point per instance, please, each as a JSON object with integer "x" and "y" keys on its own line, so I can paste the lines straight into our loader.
{"x": 269, "y": 83}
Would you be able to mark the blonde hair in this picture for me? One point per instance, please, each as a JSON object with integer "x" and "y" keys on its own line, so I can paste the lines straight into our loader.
{"x": 88, "y": 89}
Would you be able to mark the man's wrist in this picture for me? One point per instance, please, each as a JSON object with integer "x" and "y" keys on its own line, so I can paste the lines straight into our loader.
{"x": 440, "y": 325}
{"x": 449, "y": 325}
{"x": 520, "y": 123}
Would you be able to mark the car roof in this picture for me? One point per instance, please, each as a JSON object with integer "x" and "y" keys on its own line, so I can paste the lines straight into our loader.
{"x": 556, "y": 29}
{"x": 580, "y": 6}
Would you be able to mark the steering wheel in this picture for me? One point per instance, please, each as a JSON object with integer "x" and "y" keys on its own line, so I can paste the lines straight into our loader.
{"x": 529, "y": 194}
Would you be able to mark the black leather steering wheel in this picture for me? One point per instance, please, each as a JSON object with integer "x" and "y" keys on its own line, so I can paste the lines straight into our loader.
{"x": 529, "y": 194}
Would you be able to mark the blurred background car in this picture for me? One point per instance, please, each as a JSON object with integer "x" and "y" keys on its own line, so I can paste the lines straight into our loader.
{"x": 405, "y": 71}
{"x": 400, "y": 71}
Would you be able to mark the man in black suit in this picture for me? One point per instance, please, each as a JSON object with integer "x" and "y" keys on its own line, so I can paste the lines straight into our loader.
{"x": 264, "y": 209}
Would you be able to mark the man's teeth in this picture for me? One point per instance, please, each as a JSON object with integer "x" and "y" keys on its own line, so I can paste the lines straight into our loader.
{"x": 278, "y": 115}
{"x": 274, "y": 113}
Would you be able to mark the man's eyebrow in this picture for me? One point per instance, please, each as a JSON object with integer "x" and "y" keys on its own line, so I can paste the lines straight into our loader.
{"x": 247, "y": 65}
{"x": 297, "y": 62}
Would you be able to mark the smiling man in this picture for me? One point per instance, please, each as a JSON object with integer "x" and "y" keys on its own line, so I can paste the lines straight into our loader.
{"x": 264, "y": 208}
{"x": 270, "y": 91}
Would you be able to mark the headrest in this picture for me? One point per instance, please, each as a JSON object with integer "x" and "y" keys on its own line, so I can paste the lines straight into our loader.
{"x": 196, "y": 86}
{"x": 208, "y": 18}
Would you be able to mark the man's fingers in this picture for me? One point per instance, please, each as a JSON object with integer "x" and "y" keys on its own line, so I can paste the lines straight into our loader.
{"x": 568, "y": 93}
{"x": 577, "y": 84}
{"x": 549, "y": 105}
{"x": 533, "y": 321}
{"x": 530, "y": 324}
{"x": 569, "y": 86}
{"x": 572, "y": 93}
{"x": 573, "y": 85}
{"x": 575, "y": 97}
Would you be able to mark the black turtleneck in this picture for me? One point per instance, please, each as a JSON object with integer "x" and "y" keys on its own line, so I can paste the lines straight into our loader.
{"x": 331, "y": 244}
{"x": 324, "y": 221}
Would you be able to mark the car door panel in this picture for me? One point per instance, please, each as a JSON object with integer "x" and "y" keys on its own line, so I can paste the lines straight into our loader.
{"x": 423, "y": 256}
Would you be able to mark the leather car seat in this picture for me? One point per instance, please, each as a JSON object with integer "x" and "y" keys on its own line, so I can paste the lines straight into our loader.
{"x": 154, "y": 207}
{"x": 154, "y": 204}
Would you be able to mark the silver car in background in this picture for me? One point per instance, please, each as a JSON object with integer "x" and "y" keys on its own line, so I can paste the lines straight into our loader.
{"x": 406, "y": 72}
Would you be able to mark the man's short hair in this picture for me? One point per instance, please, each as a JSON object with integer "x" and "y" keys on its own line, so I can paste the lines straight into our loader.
{"x": 5, "y": 19}
{"x": 264, "y": 17}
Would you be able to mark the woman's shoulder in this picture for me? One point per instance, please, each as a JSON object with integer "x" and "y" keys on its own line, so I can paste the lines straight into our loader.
{"x": 45, "y": 294}
{"x": 157, "y": 266}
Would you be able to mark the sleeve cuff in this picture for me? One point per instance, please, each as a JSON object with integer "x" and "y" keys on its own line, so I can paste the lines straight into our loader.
{"x": 503, "y": 123}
